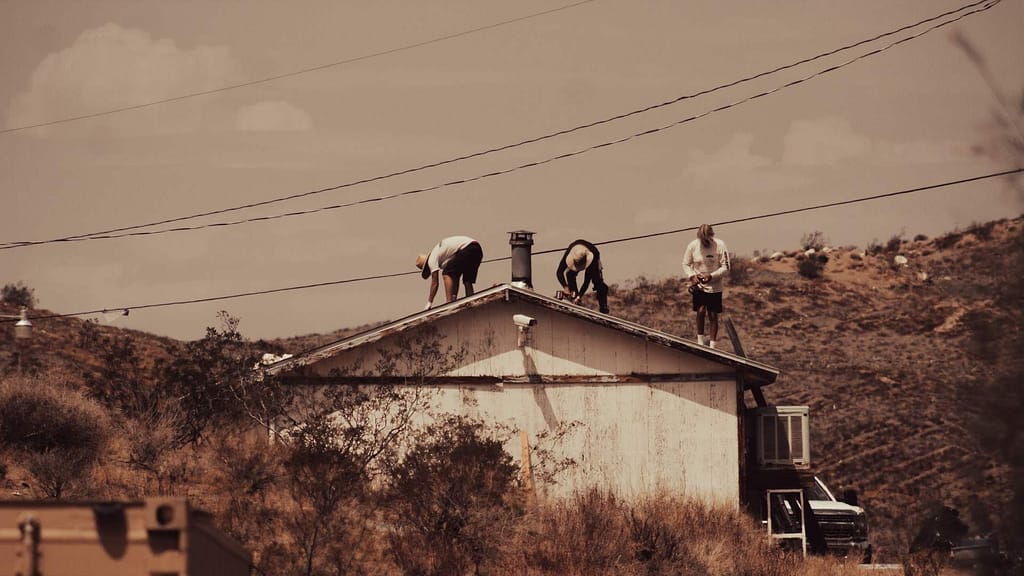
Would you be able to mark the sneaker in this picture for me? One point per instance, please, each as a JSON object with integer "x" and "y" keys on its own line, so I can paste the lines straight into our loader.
{"x": 712, "y": 343}
{"x": 701, "y": 340}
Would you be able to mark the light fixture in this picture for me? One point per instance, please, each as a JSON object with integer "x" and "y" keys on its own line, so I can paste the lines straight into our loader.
{"x": 22, "y": 328}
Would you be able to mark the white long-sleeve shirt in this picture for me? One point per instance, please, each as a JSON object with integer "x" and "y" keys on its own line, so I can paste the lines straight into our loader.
{"x": 713, "y": 260}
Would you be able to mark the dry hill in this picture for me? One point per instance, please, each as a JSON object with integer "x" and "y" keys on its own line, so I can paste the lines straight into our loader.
{"x": 896, "y": 359}
{"x": 897, "y": 362}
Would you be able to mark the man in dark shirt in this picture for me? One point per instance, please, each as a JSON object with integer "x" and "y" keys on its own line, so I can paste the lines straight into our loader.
{"x": 582, "y": 256}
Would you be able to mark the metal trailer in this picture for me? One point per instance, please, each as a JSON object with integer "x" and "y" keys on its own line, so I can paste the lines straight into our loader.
{"x": 156, "y": 537}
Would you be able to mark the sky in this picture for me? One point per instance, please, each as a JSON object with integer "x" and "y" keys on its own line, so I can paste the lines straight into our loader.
{"x": 365, "y": 89}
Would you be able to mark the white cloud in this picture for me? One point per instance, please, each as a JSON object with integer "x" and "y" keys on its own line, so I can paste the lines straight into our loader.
{"x": 113, "y": 67}
{"x": 923, "y": 151}
{"x": 823, "y": 141}
{"x": 829, "y": 141}
{"x": 735, "y": 157}
{"x": 272, "y": 116}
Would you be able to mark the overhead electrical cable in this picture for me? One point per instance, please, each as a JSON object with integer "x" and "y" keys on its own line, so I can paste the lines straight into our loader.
{"x": 295, "y": 72}
{"x": 108, "y": 233}
{"x": 543, "y": 252}
{"x": 504, "y": 171}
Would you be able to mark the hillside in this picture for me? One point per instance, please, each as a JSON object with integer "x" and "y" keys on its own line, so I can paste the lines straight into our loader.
{"x": 894, "y": 360}
{"x": 888, "y": 358}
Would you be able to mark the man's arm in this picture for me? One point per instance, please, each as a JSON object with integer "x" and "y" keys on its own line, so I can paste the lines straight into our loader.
{"x": 433, "y": 288}
{"x": 723, "y": 261}
{"x": 688, "y": 270}
{"x": 560, "y": 272}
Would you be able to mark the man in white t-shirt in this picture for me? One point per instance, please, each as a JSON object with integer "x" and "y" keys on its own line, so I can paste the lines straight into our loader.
{"x": 454, "y": 258}
{"x": 705, "y": 265}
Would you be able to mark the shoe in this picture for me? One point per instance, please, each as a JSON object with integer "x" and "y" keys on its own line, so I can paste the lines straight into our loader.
{"x": 604, "y": 310}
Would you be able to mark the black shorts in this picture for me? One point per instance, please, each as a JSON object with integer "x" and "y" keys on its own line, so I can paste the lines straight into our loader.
{"x": 465, "y": 263}
{"x": 711, "y": 301}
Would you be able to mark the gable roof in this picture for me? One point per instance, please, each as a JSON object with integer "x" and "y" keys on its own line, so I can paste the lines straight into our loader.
{"x": 756, "y": 372}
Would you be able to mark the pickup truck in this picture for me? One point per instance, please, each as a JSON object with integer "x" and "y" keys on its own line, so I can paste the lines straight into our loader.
{"x": 843, "y": 524}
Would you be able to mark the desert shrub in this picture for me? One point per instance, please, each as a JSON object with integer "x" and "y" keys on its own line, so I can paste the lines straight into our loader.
{"x": 597, "y": 533}
{"x": 982, "y": 231}
{"x": 874, "y": 248}
{"x": 121, "y": 382}
{"x": 211, "y": 380}
{"x": 920, "y": 238}
{"x": 812, "y": 266}
{"x": 739, "y": 271}
{"x": 449, "y": 494}
{"x": 584, "y": 535}
{"x": 948, "y": 240}
{"x": 58, "y": 433}
{"x": 18, "y": 295}
{"x": 894, "y": 243}
{"x": 813, "y": 241}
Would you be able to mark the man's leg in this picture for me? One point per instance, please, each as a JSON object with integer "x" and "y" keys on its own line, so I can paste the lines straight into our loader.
{"x": 451, "y": 287}
{"x": 601, "y": 288}
{"x": 469, "y": 287}
{"x": 701, "y": 313}
{"x": 713, "y": 320}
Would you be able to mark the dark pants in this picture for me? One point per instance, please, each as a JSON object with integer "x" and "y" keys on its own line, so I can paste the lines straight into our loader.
{"x": 593, "y": 274}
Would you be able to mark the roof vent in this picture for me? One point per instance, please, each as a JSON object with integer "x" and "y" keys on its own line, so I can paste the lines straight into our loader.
{"x": 522, "y": 275}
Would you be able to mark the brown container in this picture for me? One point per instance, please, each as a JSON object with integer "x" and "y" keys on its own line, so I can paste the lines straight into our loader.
{"x": 158, "y": 537}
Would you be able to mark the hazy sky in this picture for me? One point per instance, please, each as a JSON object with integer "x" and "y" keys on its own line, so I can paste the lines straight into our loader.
{"x": 907, "y": 117}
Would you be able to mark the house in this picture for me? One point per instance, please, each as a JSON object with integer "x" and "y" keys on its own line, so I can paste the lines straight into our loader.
{"x": 649, "y": 411}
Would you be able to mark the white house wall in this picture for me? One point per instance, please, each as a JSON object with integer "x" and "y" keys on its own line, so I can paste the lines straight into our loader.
{"x": 633, "y": 439}
{"x": 559, "y": 345}
{"x": 630, "y": 435}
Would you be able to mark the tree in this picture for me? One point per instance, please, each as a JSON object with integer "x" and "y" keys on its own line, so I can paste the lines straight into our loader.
{"x": 449, "y": 494}
{"x": 210, "y": 380}
{"x": 18, "y": 295}
{"x": 339, "y": 440}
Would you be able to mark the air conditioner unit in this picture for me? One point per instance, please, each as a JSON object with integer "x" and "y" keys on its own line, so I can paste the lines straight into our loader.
{"x": 783, "y": 436}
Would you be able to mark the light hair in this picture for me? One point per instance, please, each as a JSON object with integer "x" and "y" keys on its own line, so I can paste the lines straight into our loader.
{"x": 705, "y": 233}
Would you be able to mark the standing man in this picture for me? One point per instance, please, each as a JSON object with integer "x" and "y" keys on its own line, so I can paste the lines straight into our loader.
{"x": 582, "y": 256}
{"x": 705, "y": 264}
{"x": 454, "y": 257}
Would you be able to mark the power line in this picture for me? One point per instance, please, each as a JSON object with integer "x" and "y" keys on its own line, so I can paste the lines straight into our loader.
{"x": 296, "y": 72}
{"x": 118, "y": 232}
{"x": 533, "y": 164}
{"x": 549, "y": 251}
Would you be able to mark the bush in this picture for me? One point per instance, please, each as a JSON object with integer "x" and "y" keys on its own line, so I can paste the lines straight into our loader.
{"x": 815, "y": 240}
{"x": 18, "y": 295}
{"x": 894, "y": 243}
{"x": 812, "y": 266}
{"x": 982, "y": 231}
{"x": 597, "y": 533}
{"x": 739, "y": 271}
{"x": 449, "y": 494}
{"x": 59, "y": 433}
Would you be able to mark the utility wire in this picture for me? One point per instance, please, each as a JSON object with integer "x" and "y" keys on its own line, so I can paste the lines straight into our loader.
{"x": 115, "y": 232}
{"x": 495, "y": 173}
{"x": 296, "y": 72}
{"x": 542, "y": 252}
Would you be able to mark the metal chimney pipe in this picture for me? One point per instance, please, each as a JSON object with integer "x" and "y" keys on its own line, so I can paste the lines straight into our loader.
{"x": 522, "y": 275}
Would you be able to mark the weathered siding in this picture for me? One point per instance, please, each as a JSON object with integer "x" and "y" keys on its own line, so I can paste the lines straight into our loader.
{"x": 560, "y": 345}
{"x": 633, "y": 439}
{"x": 634, "y": 436}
